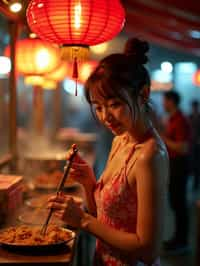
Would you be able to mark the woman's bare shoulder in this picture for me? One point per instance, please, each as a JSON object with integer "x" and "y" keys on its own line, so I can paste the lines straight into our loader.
{"x": 152, "y": 150}
{"x": 152, "y": 159}
{"x": 151, "y": 162}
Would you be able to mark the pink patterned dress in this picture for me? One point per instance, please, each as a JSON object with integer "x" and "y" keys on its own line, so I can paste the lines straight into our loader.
{"x": 116, "y": 205}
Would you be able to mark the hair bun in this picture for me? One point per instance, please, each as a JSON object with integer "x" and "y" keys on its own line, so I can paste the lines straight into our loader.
{"x": 136, "y": 49}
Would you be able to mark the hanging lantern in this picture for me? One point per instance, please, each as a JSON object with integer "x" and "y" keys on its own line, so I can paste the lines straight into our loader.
{"x": 75, "y": 24}
{"x": 196, "y": 78}
{"x": 80, "y": 22}
{"x": 35, "y": 57}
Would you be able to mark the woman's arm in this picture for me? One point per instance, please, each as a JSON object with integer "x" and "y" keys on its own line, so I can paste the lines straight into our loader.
{"x": 151, "y": 179}
{"x": 145, "y": 243}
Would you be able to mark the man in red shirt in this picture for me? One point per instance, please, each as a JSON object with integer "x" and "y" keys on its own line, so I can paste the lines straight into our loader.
{"x": 177, "y": 138}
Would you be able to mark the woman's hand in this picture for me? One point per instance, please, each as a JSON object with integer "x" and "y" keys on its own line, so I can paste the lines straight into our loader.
{"x": 81, "y": 171}
{"x": 66, "y": 209}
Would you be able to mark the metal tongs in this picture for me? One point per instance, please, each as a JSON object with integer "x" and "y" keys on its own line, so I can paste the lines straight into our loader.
{"x": 61, "y": 185}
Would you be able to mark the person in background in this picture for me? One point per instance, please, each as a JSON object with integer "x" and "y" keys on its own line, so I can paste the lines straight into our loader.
{"x": 195, "y": 123}
{"x": 126, "y": 205}
{"x": 177, "y": 137}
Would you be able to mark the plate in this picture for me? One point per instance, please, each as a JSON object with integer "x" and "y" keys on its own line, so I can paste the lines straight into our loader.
{"x": 37, "y": 249}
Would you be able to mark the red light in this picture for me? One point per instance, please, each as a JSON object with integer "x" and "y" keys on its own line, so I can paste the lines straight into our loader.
{"x": 70, "y": 22}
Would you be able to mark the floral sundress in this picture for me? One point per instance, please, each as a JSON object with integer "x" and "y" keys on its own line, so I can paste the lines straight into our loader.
{"x": 116, "y": 205}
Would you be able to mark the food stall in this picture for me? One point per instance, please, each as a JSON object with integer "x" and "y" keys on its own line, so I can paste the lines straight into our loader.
{"x": 22, "y": 220}
{"x": 22, "y": 240}
{"x": 8, "y": 125}
{"x": 24, "y": 215}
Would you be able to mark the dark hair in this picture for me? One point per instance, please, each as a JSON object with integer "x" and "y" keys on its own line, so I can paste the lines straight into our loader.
{"x": 173, "y": 96}
{"x": 117, "y": 73}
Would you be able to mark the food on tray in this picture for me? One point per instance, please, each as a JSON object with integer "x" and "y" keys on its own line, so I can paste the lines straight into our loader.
{"x": 52, "y": 180}
{"x": 27, "y": 235}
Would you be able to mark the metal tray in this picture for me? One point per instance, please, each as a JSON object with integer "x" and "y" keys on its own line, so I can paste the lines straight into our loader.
{"x": 43, "y": 249}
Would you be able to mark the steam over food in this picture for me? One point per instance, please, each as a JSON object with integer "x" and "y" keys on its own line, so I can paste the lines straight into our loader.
{"x": 27, "y": 235}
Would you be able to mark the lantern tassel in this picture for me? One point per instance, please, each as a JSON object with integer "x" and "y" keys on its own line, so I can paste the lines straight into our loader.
{"x": 75, "y": 74}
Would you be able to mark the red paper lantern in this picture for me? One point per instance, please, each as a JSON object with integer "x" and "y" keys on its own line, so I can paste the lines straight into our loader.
{"x": 76, "y": 22}
{"x": 35, "y": 57}
{"x": 196, "y": 78}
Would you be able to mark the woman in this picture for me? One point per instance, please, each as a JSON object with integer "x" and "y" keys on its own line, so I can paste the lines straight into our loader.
{"x": 126, "y": 205}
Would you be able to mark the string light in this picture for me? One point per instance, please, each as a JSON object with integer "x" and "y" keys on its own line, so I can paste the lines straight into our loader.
{"x": 15, "y": 6}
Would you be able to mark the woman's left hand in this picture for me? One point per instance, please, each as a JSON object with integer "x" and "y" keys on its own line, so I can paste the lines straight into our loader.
{"x": 66, "y": 209}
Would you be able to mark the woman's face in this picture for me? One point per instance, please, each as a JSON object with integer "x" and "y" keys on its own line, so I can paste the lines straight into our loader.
{"x": 113, "y": 113}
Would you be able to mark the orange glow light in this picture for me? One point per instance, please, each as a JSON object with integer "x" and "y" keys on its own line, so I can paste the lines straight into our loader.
{"x": 59, "y": 73}
{"x": 86, "y": 69}
{"x": 196, "y": 78}
{"x": 35, "y": 57}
